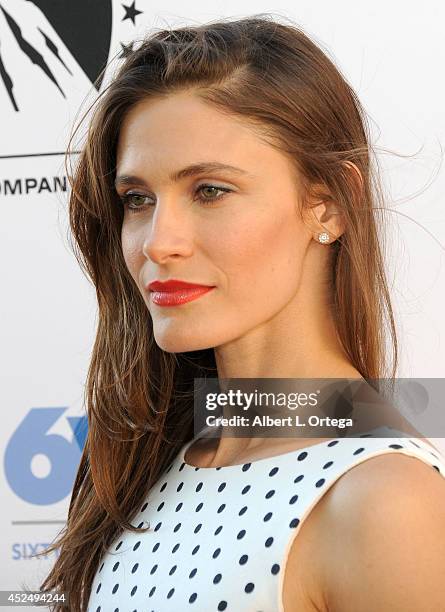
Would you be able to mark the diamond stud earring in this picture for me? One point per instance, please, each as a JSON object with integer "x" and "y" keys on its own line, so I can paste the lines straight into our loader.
{"x": 323, "y": 237}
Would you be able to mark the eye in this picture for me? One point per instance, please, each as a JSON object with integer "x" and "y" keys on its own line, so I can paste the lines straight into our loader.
{"x": 224, "y": 190}
{"x": 134, "y": 202}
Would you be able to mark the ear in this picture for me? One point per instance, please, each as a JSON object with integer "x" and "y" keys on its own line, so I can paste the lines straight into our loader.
{"x": 325, "y": 221}
{"x": 322, "y": 214}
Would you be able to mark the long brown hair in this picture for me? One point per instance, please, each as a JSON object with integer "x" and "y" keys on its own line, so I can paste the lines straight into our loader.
{"x": 138, "y": 397}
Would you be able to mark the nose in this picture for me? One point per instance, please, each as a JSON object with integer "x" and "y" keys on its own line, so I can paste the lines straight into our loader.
{"x": 168, "y": 233}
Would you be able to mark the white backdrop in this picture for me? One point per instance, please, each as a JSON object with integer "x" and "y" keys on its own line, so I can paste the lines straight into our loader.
{"x": 391, "y": 53}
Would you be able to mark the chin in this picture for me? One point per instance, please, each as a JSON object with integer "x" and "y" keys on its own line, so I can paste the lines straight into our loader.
{"x": 177, "y": 343}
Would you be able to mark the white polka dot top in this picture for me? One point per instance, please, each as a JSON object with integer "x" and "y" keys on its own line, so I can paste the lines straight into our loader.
{"x": 220, "y": 537}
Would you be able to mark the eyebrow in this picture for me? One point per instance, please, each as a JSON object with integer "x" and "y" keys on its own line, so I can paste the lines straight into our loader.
{"x": 192, "y": 170}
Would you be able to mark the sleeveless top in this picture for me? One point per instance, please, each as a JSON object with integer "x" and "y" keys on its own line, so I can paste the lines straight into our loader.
{"x": 220, "y": 536}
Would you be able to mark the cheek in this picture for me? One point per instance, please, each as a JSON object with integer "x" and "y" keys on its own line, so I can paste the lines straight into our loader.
{"x": 262, "y": 255}
{"x": 131, "y": 251}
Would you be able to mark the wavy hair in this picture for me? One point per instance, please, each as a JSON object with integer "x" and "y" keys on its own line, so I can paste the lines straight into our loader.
{"x": 139, "y": 399}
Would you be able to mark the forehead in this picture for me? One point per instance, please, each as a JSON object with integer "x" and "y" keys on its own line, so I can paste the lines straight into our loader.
{"x": 176, "y": 117}
{"x": 181, "y": 128}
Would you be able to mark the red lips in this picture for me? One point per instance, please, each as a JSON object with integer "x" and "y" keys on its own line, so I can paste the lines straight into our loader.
{"x": 175, "y": 292}
{"x": 172, "y": 285}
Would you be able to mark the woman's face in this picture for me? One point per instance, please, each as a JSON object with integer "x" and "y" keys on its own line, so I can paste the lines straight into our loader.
{"x": 244, "y": 236}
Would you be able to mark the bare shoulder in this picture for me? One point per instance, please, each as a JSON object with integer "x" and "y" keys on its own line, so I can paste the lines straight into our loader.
{"x": 381, "y": 530}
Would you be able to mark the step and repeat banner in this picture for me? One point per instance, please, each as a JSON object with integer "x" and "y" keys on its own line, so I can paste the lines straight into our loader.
{"x": 51, "y": 53}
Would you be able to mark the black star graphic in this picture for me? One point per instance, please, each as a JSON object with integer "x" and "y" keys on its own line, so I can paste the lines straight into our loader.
{"x": 126, "y": 49}
{"x": 131, "y": 12}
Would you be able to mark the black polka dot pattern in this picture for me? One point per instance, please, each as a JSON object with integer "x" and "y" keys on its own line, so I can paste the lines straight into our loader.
{"x": 218, "y": 536}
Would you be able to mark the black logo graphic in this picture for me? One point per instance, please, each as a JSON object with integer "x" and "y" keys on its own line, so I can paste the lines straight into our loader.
{"x": 82, "y": 27}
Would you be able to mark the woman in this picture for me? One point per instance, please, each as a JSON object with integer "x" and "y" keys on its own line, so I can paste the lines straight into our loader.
{"x": 234, "y": 156}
